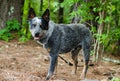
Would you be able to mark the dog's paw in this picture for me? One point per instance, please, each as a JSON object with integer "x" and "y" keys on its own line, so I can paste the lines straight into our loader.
{"x": 48, "y": 76}
{"x": 82, "y": 77}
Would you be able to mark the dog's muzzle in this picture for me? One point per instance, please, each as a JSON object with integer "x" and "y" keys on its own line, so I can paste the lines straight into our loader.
{"x": 38, "y": 36}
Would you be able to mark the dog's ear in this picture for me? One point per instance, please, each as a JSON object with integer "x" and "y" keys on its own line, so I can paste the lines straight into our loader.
{"x": 31, "y": 13}
{"x": 46, "y": 15}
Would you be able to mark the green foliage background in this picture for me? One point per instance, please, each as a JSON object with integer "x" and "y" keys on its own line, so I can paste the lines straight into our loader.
{"x": 11, "y": 26}
{"x": 85, "y": 10}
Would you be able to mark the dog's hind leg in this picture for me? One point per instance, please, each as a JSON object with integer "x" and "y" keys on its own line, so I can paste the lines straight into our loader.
{"x": 86, "y": 54}
{"x": 53, "y": 62}
{"x": 74, "y": 55}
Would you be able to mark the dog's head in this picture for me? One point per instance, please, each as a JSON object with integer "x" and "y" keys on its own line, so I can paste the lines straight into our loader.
{"x": 38, "y": 26}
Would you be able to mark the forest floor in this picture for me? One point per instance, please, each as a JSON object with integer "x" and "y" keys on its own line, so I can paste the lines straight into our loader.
{"x": 29, "y": 62}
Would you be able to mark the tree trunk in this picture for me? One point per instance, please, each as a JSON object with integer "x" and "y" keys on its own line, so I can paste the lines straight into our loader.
{"x": 98, "y": 48}
{"x": 75, "y": 19}
{"x": 9, "y": 9}
{"x": 60, "y": 13}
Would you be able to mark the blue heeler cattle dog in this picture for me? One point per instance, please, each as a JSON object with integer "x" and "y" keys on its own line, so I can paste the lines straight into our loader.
{"x": 60, "y": 38}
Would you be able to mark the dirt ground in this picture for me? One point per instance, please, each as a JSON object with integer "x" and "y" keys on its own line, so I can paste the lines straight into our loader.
{"x": 29, "y": 62}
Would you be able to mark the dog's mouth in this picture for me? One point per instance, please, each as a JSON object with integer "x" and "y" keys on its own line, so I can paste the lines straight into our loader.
{"x": 38, "y": 36}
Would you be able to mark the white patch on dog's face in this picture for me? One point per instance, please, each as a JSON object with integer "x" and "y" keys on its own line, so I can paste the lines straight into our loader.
{"x": 34, "y": 26}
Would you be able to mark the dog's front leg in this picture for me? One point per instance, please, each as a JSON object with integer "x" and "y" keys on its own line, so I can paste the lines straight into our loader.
{"x": 53, "y": 62}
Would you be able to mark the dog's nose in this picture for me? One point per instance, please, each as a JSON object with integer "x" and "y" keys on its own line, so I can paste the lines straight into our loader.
{"x": 37, "y": 34}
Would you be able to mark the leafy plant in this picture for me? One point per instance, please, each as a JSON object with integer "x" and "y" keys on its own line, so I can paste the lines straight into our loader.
{"x": 115, "y": 79}
{"x": 23, "y": 39}
{"x": 11, "y": 25}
